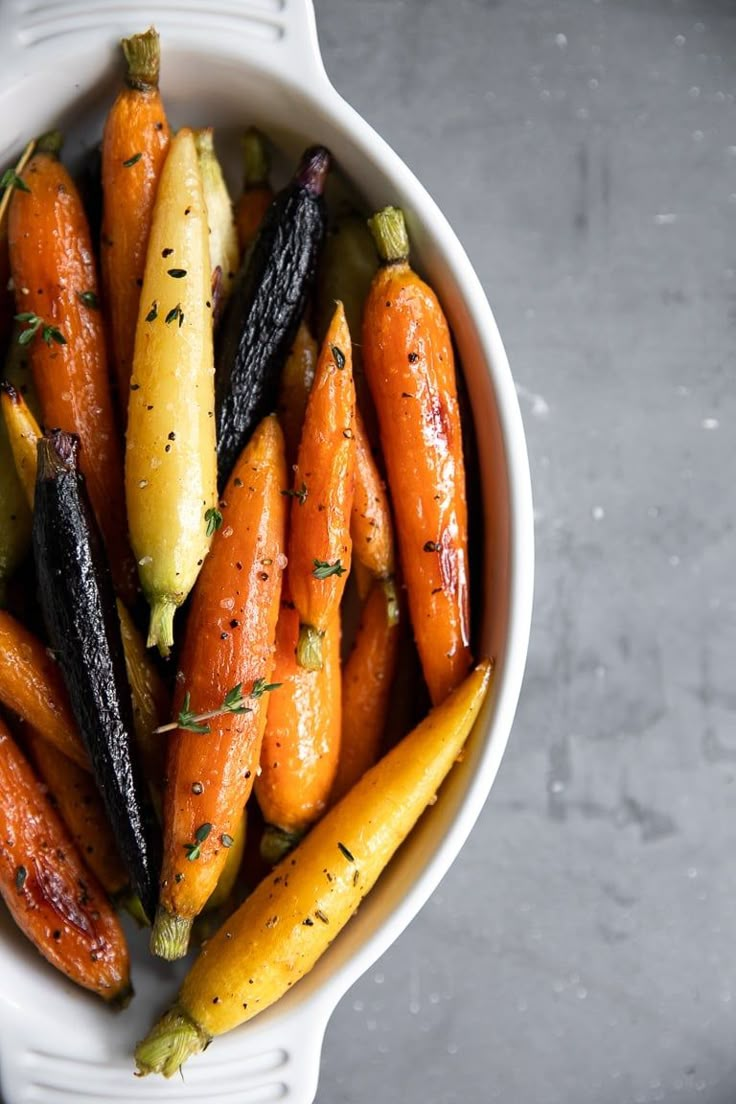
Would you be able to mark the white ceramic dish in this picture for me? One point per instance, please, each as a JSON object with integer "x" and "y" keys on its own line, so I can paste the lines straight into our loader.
{"x": 228, "y": 63}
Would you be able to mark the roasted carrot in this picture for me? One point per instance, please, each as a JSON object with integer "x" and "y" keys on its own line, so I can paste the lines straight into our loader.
{"x": 32, "y": 686}
{"x": 366, "y": 690}
{"x": 23, "y": 433}
{"x": 301, "y": 743}
{"x": 57, "y": 299}
{"x": 134, "y": 147}
{"x": 319, "y": 539}
{"x": 55, "y": 901}
{"x": 224, "y": 249}
{"x": 223, "y": 891}
{"x": 370, "y": 521}
{"x": 410, "y": 368}
{"x": 288, "y": 922}
{"x": 170, "y": 463}
{"x": 9, "y": 181}
{"x": 296, "y": 383}
{"x": 73, "y": 792}
{"x": 225, "y": 668}
{"x": 150, "y": 701}
{"x": 257, "y": 194}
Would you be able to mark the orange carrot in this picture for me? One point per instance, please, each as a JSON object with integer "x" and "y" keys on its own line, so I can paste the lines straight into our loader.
{"x": 366, "y": 690}
{"x": 32, "y": 686}
{"x": 57, "y": 299}
{"x": 226, "y": 666}
{"x": 409, "y": 365}
{"x": 301, "y": 743}
{"x": 134, "y": 147}
{"x": 370, "y": 520}
{"x": 257, "y": 194}
{"x": 55, "y": 901}
{"x": 296, "y": 383}
{"x": 319, "y": 539}
{"x": 73, "y": 792}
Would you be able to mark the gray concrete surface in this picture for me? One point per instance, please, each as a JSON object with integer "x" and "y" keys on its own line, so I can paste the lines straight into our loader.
{"x": 583, "y": 947}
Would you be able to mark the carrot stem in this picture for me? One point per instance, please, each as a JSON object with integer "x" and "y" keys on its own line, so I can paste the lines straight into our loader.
{"x": 161, "y": 626}
{"x": 50, "y": 143}
{"x": 170, "y": 935}
{"x": 389, "y": 233}
{"x": 276, "y": 843}
{"x": 175, "y": 1038}
{"x": 256, "y": 159}
{"x": 142, "y": 57}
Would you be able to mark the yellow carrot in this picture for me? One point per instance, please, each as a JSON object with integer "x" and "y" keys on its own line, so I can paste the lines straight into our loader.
{"x": 283, "y": 928}
{"x": 170, "y": 469}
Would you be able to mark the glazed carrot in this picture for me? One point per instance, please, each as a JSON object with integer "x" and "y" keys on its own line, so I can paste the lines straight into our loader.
{"x": 9, "y": 181}
{"x": 32, "y": 686}
{"x": 73, "y": 792}
{"x": 225, "y": 667}
{"x": 301, "y": 743}
{"x": 222, "y": 892}
{"x": 319, "y": 539}
{"x": 134, "y": 147}
{"x": 150, "y": 704}
{"x": 224, "y": 249}
{"x": 23, "y": 433}
{"x": 55, "y": 901}
{"x": 409, "y": 364}
{"x": 257, "y": 193}
{"x": 370, "y": 521}
{"x": 366, "y": 690}
{"x": 170, "y": 464}
{"x": 296, "y": 383}
{"x": 57, "y": 299}
{"x": 286, "y": 925}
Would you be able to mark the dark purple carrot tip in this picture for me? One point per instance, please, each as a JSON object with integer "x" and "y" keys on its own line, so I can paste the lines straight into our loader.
{"x": 57, "y": 454}
{"x": 313, "y": 169}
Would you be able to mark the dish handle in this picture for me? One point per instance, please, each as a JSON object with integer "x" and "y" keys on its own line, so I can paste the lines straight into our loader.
{"x": 280, "y": 35}
{"x": 276, "y": 1061}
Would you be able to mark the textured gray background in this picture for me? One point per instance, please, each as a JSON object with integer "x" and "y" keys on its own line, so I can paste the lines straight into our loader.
{"x": 583, "y": 948}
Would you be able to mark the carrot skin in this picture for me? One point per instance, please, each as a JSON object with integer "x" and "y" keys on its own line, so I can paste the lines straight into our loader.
{"x": 55, "y": 901}
{"x": 229, "y": 641}
{"x": 409, "y": 364}
{"x": 323, "y": 490}
{"x": 134, "y": 146}
{"x": 371, "y": 528}
{"x": 32, "y": 686}
{"x": 367, "y": 682}
{"x": 55, "y": 280}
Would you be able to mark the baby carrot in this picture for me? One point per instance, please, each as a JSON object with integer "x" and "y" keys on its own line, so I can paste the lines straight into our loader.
{"x": 55, "y": 901}
{"x": 319, "y": 540}
{"x": 225, "y": 667}
{"x": 366, "y": 689}
{"x": 288, "y": 922}
{"x": 32, "y": 686}
{"x": 170, "y": 464}
{"x": 257, "y": 194}
{"x": 23, "y": 433}
{"x": 134, "y": 147}
{"x": 409, "y": 364}
{"x": 301, "y": 743}
{"x": 57, "y": 300}
{"x": 370, "y": 521}
{"x": 224, "y": 250}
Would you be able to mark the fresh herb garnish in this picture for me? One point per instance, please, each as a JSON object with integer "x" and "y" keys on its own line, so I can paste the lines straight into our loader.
{"x": 213, "y": 517}
{"x": 132, "y": 161}
{"x": 300, "y": 495}
{"x": 194, "y": 850}
{"x": 345, "y": 852}
{"x": 10, "y": 179}
{"x": 174, "y": 313}
{"x": 261, "y": 687}
{"x": 49, "y": 333}
{"x": 323, "y": 570}
{"x": 89, "y": 298}
{"x": 153, "y": 312}
{"x": 338, "y": 356}
{"x": 233, "y": 702}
